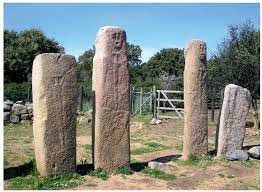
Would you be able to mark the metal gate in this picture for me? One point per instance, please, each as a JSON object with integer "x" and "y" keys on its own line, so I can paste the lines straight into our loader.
{"x": 162, "y": 98}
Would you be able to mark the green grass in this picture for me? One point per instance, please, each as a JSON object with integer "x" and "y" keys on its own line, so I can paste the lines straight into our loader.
{"x": 222, "y": 175}
{"x": 156, "y": 173}
{"x": 200, "y": 162}
{"x": 54, "y": 182}
{"x": 179, "y": 147}
{"x": 90, "y": 185}
{"x": 247, "y": 163}
{"x": 142, "y": 118}
{"x": 230, "y": 176}
{"x": 211, "y": 146}
{"x": 150, "y": 147}
{"x": 100, "y": 173}
{"x": 126, "y": 170}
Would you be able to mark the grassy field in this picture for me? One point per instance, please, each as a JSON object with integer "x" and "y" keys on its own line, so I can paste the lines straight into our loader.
{"x": 161, "y": 142}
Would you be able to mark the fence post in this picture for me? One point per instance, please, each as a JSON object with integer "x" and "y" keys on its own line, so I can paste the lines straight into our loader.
{"x": 154, "y": 98}
{"x": 158, "y": 103}
{"x": 141, "y": 100}
{"x": 213, "y": 105}
{"x": 150, "y": 101}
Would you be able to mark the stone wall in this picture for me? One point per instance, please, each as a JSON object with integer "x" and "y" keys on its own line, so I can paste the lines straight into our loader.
{"x": 16, "y": 112}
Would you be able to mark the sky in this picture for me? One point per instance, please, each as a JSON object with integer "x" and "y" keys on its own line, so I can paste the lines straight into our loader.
{"x": 151, "y": 26}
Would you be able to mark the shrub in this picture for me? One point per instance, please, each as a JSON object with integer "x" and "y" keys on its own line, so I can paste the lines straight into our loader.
{"x": 16, "y": 91}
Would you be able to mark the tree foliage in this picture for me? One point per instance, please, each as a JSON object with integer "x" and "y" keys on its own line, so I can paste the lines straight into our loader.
{"x": 168, "y": 63}
{"x": 85, "y": 61}
{"x": 237, "y": 60}
{"x": 133, "y": 54}
{"x": 20, "y": 50}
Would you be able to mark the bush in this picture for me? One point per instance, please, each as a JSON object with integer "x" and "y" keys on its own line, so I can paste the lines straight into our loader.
{"x": 16, "y": 92}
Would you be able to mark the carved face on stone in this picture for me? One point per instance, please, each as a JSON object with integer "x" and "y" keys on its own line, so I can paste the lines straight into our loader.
{"x": 117, "y": 38}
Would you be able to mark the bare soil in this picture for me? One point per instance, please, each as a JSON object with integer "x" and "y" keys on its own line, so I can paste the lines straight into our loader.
{"x": 18, "y": 149}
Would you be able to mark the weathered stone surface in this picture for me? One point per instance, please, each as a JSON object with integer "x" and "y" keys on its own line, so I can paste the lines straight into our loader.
{"x": 14, "y": 119}
{"x": 9, "y": 102}
{"x": 6, "y": 117}
{"x": 155, "y": 121}
{"x": 84, "y": 120}
{"x": 254, "y": 152}
{"x": 29, "y": 109}
{"x": 25, "y": 116}
{"x": 111, "y": 86}
{"x": 31, "y": 115}
{"x": 54, "y": 125}
{"x": 195, "y": 100}
{"x": 162, "y": 166}
{"x": 19, "y": 109}
{"x": 237, "y": 155}
{"x": 6, "y": 107}
{"x": 235, "y": 107}
{"x": 20, "y": 102}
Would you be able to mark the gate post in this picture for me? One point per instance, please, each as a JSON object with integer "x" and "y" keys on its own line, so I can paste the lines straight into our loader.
{"x": 141, "y": 101}
{"x": 154, "y": 100}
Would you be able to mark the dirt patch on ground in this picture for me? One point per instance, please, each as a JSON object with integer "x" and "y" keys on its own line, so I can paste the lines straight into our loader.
{"x": 18, "y": 148}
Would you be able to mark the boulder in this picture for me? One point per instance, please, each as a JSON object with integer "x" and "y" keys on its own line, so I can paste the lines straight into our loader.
{"x": 80, "y": 113}
{"x": 254, "y": 152}
{"x": 29, "y": 109}
{"x": 84, "y": 120}
{"x": 29, "y": 105}
{"x": 161, "y": 166}
{"x": 25, "y": 116}
{"x": 31, "y": 115}
{"x": 9, "y": 102}
{"x": 237, "y": 155}
{"x": 155, "y": 121}
{"x": 20, "y": 102}
{"x": 6, "y": 118}
{"x": 19, "y": 109}
{"x": 14, "y": 119}
{"x": 7, "y": 107}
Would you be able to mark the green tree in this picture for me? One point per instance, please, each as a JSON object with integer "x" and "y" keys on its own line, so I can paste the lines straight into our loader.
{"x": 237, "y": 60}
{"x": 133, "y": 54}
{"x": 85, "y": 65}
{"x": 20, "y": 50}
{"x": 167, "y": 64}
{"x": 85, "y": 61}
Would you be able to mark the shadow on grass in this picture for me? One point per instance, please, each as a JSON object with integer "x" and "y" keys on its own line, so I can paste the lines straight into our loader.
{"x": 30, "y": 168}
{"x": 19, "y": 171}
{"x": 84, "y": 169}
{"x": 166, "y": 159}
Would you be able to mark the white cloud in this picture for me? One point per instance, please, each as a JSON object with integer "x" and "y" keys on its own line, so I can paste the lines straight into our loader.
{"x": 147, "y": 53}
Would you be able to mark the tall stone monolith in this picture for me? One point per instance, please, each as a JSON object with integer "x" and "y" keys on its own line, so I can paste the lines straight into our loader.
{"x": 55, "y": 106}
{"x": 111, "y": 86}
{"x": 195, "y": 100}
{"x": 235, "y": 107}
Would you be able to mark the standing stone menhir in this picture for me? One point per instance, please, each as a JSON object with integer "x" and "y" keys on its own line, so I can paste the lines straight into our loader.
{"x": 235, "y": 107}
{"x": 195, "y": 100}
{"x": 54, "y": 105}
{"x": 111, "y": 86}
